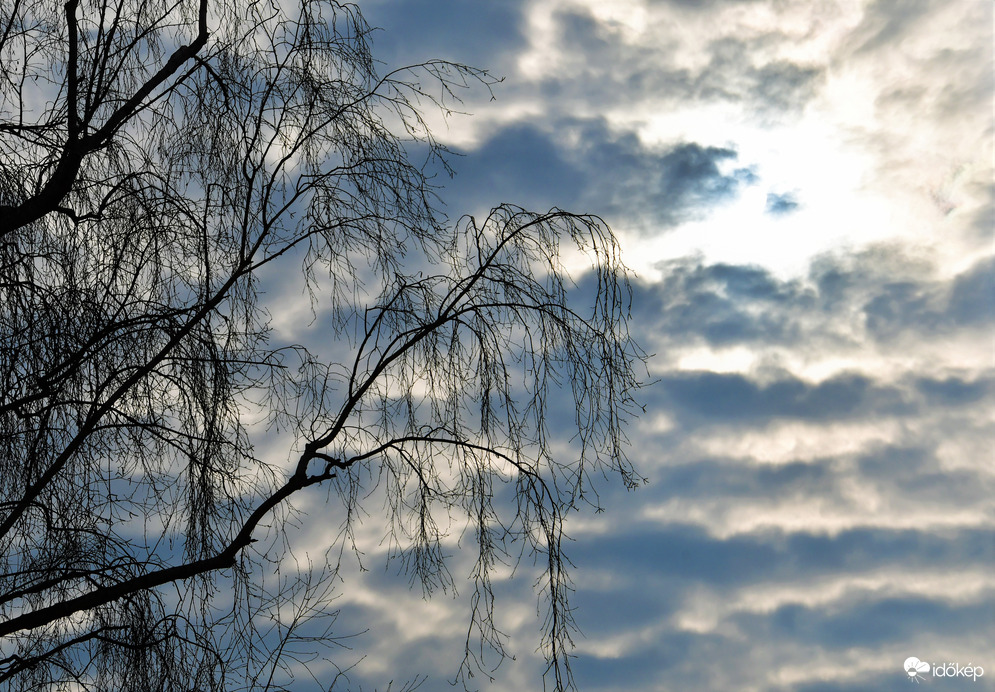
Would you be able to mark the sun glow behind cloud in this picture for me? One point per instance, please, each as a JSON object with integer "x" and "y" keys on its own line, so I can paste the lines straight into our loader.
{"x": 742, "y": 232}
{"x": 859, "y": 169}
{"x": 820, "y": 158}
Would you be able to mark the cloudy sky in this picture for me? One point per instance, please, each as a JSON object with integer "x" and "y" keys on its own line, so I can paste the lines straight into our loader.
{"x": 804, "y": 190}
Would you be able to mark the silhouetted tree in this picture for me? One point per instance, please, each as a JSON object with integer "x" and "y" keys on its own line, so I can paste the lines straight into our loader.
{"x": 157, "y": 159}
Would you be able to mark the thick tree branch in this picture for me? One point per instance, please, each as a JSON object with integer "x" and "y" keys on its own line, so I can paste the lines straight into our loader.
{"x": 78, "y": 146}
{"x": 223, "y": 560}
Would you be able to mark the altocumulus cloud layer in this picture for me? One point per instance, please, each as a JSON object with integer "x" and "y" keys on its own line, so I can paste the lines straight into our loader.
{"x": 805, "y": 190}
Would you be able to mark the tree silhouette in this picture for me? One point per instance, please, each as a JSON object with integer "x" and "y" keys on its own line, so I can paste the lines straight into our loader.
{"x": 158, "y": 160}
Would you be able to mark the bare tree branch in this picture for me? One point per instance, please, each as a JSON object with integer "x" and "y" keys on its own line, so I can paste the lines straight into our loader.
{"x": 184, "y": 154}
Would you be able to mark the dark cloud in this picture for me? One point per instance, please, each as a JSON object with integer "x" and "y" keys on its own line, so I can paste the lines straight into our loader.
{"x": 660, "y": 557}
{"x": 576, "y": 26}
{"x": 894, "y": 680}
{"x": 779, "y": 205}
{"x": 866, "y": 549}
{"x": 709, "y": 397}
{"x": 585, "y": 166}
{"x": 739, "y": 479}
{"x": 899, "y": 307}
{"x": 721, "y": 304}
{"x": 520, "y": 164}
{"x": 972, "y": 298}
{"x": 954, "y": 391}
{"x": 868, "y": 622}
{"x": 690, "y": 176}
{"x": 783, "y": 86}
{"x": 664, "y": 557}
{"x": 656, "y": 568}
{"x": 663, "y": 185}
{"x": 886, "y": 311}
{"x": 724, "y": 305}
{"x": 734, "y": 74}
{"x": 914, "y": 474}
{"x": 483, "y": 35}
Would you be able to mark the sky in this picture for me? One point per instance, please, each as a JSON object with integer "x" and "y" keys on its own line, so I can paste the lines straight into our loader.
{"x": 804, "y": 191}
